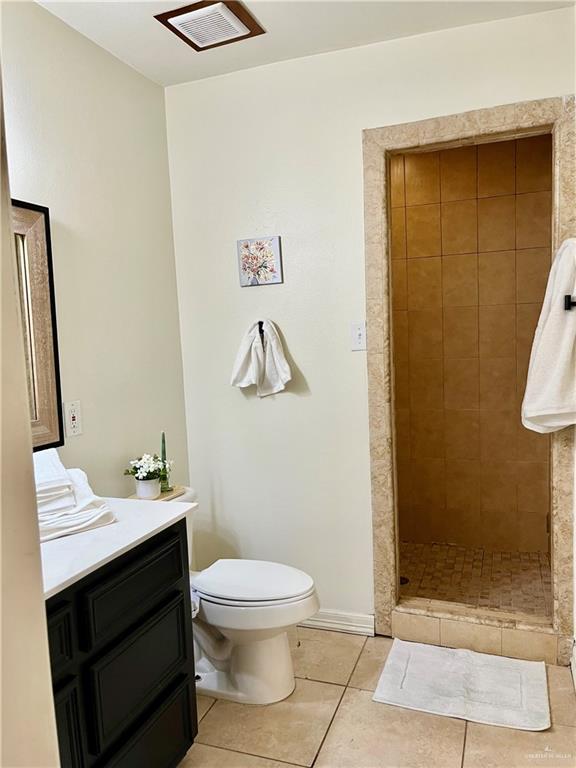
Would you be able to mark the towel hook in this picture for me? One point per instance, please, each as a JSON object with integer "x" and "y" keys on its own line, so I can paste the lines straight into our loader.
{"x": 569, "y": 302}
{"x": 261, "y": 330}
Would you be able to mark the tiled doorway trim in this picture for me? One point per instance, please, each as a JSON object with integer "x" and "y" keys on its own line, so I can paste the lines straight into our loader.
{"x": 495, "y": 123}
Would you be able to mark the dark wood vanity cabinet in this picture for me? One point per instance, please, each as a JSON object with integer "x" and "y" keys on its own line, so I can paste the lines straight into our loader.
{"x": 122, "y": 660}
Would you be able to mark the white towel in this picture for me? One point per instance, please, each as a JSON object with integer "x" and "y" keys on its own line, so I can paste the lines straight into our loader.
{"x": 49, "y": 472}
{"x": 89, "y": 512}
{"x": 261, "y": 364}
{"x": 550, "y": 397}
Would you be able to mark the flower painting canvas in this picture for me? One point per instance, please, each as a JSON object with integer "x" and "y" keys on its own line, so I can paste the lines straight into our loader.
{"x": 260, "y": 261}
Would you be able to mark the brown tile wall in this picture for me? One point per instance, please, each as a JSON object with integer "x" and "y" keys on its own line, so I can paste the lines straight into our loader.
{"x": 470, "y": 234}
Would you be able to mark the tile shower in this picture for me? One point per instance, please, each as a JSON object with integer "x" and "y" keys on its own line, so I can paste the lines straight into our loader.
{"x": 470, "y": 254}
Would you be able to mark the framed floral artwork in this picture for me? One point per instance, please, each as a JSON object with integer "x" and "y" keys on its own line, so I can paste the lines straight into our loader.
{"x": 260, "y": 261}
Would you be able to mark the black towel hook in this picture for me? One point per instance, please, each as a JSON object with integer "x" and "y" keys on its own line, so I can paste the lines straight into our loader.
{"x": 569, "y": 302}
{"x": 261, "y": 330}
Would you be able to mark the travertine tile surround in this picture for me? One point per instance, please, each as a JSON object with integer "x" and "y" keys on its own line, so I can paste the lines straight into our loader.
{"x": 362, "y": 733}
{"x": 509, "y": 121}
{"x": 470, "y": 256}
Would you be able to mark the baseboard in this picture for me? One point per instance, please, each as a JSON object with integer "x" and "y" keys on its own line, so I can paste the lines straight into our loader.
{"x": 340, "y": 621}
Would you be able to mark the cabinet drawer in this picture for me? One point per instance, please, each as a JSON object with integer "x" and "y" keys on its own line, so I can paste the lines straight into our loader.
{"x": 115, "y": 603}
{"x": 69, "y": 726}
{"x": 60, "y": 639}
{"x": 164, "y": 739}
{"x": 130, "y": 676}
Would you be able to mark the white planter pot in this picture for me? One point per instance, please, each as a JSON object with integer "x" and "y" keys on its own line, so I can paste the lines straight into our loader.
{"x": 148, "y": 489}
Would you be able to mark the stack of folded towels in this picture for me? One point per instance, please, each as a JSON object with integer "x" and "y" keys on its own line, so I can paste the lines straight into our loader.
{"x": 66, "y": 503}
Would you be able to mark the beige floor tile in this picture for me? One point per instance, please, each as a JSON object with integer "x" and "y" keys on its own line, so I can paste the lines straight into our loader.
{"x": 491, "y": 747}
{"x": 370, "y": 664}
{"x": 291, "y": 730}
{"x": 203, "y": 704}
{"x": 325, "y": 656}
{"x": 366, "y": 734}
{"x": 562, "y": 696}
{"x": 201, "y": 756}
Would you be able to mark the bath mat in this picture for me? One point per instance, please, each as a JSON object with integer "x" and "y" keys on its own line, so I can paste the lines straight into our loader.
{"x": 493, "y": 690}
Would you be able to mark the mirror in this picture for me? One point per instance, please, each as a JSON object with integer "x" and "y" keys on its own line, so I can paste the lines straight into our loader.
{"x": 31, "y": 225}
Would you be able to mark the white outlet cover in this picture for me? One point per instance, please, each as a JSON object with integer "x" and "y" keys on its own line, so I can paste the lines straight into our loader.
{"x": 358, "y": 335}
{"x": 73, "y": 418}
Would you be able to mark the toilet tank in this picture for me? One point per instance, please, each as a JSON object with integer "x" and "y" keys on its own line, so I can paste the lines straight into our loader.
{"x": 191, "y": 497}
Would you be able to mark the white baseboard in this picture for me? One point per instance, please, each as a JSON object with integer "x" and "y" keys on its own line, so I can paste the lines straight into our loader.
{"x": 339, "y": 621}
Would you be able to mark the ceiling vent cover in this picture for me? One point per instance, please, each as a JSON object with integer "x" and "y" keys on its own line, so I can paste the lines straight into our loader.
{"x": 209, "y": 24}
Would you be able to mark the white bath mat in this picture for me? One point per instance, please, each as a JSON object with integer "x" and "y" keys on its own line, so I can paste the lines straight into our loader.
{"x": 473, "y": 686}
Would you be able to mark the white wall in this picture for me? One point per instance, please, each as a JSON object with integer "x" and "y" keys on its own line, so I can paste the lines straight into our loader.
{"x": 87, "y": 138}
{"x": 277, "y": 150}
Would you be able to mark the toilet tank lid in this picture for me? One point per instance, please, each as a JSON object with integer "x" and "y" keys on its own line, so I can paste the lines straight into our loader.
{"x": 256, "y": 580}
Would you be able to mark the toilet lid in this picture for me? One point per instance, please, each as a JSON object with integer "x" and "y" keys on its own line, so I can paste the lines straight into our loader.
{"x": 252, "y": 580}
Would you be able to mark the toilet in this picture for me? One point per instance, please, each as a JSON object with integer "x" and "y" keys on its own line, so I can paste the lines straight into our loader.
{"x": 244, "y": 611}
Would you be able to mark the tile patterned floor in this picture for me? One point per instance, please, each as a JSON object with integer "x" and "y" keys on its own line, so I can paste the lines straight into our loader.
{"x": 510, "y": 581}
{"x": 330, "y": 721}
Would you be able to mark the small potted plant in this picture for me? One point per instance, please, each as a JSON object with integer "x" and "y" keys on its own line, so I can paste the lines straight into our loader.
{"x": 147, "y": 471}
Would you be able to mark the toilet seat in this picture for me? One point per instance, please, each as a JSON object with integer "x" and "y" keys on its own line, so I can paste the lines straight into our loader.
{"x": 252, "y": 583}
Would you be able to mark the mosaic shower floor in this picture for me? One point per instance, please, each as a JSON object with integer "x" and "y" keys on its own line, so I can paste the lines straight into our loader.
{"x": 506, "y": 581}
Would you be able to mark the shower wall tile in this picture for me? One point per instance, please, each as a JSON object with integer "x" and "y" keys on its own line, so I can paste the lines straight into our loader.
{"x": 460, "y": 332}
{"x": 463, "y": 484}
{"x": 461, "y": 384}
{"x": 471, "y": 249}
{"x": 397, "y": 192}
{"x": 460, "y": 280}
{"x": 400, "y": 335}
{"x": 426, "y": 385}
{"x": 498, "y": 435}
{"x": 422, "y": 174}
{"x": 462, "y": 434}
{"x": 496, "y": 169}
{"x": 459, "y": 227}
{"x": 497, "y": 330}
{"x": 423, "y": 236}
{"x": 498, "y": 383}
{"x": 496, "y": 216}
{"x": 427, "y": 434}
{"x": 497, "y": 277}
{"x": 533, "y": 220}
{"x": 534, "y": 164}
{"x": 458, "y": 174}
{"x": 424, "y": 283}
{"x": 425, "y": 335}
{"x": 398, "y": 233}
{"x": 532, "y": 268}
{"x": 399, "y": 285}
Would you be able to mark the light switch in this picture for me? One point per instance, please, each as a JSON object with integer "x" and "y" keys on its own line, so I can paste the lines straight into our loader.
{"x": 358, "y": 334}
{"x": 73, "y": 418}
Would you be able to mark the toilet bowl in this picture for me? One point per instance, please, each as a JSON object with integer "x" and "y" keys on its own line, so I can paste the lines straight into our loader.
{"x": 245, "y": 609}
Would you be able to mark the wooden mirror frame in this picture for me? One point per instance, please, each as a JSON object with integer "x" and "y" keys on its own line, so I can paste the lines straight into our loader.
{"x": 31, "y": 225}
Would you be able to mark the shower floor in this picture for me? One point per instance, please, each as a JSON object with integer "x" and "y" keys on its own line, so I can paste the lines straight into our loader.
{"x": 506, "y": 581}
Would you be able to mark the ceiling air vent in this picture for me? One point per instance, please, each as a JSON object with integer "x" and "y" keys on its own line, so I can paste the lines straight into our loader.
{"x": 210, "y": 24}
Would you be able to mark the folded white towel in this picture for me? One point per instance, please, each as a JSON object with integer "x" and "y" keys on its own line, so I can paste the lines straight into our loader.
{"x": 262, "y": 364}
{"x": 49, "y": 472}
{"x": 550, "y": 397}
{"x": 89, "y": 512}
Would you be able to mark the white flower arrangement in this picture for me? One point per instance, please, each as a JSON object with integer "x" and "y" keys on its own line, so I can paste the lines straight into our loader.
{"x": 148, "y": 467}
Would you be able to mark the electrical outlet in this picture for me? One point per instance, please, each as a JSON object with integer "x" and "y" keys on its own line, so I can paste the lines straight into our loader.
{"x": 358, "y": 335}
{"x": 73, "y": 417}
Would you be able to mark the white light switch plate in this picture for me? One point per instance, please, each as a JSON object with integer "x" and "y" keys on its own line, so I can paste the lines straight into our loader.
{"x": 358, "y": 335}
{"x": 73, "y": 418}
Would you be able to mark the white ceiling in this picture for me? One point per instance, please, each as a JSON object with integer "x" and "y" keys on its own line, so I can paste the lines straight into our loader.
{"x": 294, "y": 28}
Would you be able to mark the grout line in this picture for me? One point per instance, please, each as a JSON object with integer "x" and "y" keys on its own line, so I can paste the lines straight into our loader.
{"x": 252, "y": 754}
{"x": 464, "y": 743}
{"x": 356, "y": 662}
{"x": 327, "y": 731}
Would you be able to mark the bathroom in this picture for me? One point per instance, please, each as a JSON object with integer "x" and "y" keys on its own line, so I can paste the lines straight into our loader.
{"x": 151, "y": 179}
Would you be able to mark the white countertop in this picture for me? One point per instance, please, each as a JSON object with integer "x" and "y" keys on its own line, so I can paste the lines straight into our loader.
{"x": 69, "y": 558}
